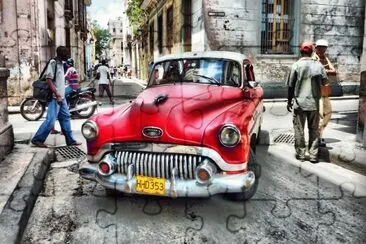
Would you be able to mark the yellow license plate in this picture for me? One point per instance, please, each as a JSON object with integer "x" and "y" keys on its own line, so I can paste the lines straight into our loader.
{"x": 150, "y": 185}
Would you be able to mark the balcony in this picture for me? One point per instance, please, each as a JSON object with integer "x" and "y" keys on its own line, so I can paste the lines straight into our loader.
{"x": 148, "y": 3}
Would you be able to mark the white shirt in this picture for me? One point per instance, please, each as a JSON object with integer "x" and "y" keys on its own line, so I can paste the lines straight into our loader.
{"x": 103, "y": 70}
{"x": 60, "y": 78}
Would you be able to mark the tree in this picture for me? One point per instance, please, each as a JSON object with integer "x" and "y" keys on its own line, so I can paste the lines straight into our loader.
{"x": 102, "y": 36}
{"x": 135, "y": 14}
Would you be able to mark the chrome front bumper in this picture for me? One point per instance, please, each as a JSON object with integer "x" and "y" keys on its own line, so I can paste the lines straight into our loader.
{"x": 174, "y": 187}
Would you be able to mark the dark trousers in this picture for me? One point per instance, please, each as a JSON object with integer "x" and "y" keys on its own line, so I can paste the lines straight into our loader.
{"x": 105, "y": 87}
{"x": 299, "y": 118}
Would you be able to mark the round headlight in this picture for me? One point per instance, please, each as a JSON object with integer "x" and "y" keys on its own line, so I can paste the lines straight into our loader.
{"x": 229, "y": 136}
{"x": 89, "y": 130}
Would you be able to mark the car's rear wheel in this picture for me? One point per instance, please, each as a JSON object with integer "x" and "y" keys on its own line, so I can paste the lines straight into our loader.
{"x": 248, "y": 193}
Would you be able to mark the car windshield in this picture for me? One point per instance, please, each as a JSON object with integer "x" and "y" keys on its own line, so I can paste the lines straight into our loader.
{"x": 205, "y": 71}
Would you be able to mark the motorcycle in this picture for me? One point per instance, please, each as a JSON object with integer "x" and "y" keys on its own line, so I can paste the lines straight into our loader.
{"x": 82, "y": 104}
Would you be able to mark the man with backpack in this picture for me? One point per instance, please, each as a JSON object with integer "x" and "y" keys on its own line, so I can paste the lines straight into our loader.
{"x": 57, "y": 105}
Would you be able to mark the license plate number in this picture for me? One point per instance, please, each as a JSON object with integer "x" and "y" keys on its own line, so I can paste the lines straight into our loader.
{"x": 150, "y": 185}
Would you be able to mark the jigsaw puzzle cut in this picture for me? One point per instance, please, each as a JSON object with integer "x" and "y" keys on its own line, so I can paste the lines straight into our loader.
{"x": 310, "y": 211}
{"x": 291, "y": 205}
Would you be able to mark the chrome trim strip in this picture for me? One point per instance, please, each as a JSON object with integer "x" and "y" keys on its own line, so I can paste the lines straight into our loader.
{"x": 169, "y": 148}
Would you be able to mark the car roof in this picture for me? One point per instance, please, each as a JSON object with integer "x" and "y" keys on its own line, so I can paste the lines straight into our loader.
{"x": 206, "y": 54}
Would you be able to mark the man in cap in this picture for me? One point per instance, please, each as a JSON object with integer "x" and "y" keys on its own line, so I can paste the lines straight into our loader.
{"x": 325, "y": 107}
{"x": 303, "y": 83}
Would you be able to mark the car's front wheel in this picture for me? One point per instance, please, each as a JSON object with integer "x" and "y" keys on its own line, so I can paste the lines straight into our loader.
{"x": 248, "y": 193}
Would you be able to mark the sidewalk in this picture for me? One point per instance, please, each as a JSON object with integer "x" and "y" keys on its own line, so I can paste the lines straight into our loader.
{"x": 342, "y": 149}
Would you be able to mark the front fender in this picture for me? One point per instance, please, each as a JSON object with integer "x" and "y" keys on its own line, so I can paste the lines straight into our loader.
{"x": 241, "y": 116}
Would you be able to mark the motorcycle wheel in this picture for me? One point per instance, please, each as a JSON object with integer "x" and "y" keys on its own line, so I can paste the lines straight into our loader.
{"x": 86, "y": 112}
{"x": 32, "y": 109}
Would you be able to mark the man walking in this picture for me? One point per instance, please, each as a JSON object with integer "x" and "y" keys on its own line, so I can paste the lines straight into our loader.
{"x": 57, "y": 106}
{"x": 304, "y": 83}
{"x": 104, "y": 81}
{"x": 325, "y": 107}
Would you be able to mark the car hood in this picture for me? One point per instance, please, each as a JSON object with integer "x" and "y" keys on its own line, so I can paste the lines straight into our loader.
{"x": 181, "y": 111}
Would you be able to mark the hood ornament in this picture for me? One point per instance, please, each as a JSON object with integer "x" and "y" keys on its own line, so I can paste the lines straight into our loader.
{"x": 160, "y": 99}
{"x": 152, "y": 132}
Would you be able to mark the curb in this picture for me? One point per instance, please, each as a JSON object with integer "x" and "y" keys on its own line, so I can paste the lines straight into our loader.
{"x": 15, "y": 215}
{"x": 346, "y": 156}
{"x": 346, "y": 97}
{"x": 348, "y": 180}
{"x": 16, "y": 109}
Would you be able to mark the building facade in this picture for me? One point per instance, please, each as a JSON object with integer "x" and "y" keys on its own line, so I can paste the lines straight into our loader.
{"x": 30, "y": 31}
{"x": 267, "y": 31}
{"x": 115, "y": 28}
{"x": 127, "y": 38}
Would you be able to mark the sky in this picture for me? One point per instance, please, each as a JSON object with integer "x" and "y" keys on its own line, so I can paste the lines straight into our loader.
{"x": 103, "y": 10}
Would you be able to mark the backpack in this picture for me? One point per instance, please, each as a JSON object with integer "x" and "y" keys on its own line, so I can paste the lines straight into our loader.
{"x": 41, "y": 90}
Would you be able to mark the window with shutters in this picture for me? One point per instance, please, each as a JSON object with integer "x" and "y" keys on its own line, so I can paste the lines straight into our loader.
{"x": 160, "y": 33}
{"x": 187, "y": 25}
{"x": 151, "y": 37}
{"x": 277, "y": 26}
{"x": 169, "y": 28}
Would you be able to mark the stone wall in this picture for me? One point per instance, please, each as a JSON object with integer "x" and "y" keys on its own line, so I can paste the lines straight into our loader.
{"x": 6, "y": 129}
{"x": 18, "y": 43}
{"x": 361, "y": 132}
{"x": 236, "y": 26}
{"x": 341, "y": 23}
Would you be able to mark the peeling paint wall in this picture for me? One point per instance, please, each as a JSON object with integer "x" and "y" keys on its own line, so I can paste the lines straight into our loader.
{"x": 236, "y": 25}
{"x": 18, "y": 43}
{"x": 30, "y": 31}
{"x": 23, "y": 40}
{"x": 341, "y": 23}
{"x": 363, "y": 57}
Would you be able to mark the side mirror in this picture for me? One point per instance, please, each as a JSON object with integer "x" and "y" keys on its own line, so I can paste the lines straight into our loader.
{"x": 248, "y": 93}
{"x": 253, "y": 84}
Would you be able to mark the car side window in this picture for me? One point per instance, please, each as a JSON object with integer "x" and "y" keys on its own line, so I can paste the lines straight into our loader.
{"x": 233, "y": 77}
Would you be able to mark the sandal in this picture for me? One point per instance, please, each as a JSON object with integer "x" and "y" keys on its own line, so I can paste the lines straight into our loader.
{"x": 54, "y": 132}
{"x": 38, "y": 144}
{"x": 75, "y": 143}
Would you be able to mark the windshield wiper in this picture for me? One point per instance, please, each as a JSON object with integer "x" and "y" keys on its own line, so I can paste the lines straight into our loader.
{"x": 211, "y": 79}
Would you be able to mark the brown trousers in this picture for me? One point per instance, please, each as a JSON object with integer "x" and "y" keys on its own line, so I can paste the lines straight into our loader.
{"x": 299, "y": 119}
{"x": 325, "y": 113}
{"x": 105, "y": 87}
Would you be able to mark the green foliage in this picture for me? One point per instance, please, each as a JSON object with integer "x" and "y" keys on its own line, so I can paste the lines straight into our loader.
{"x": 135, "y": 14}
{"x": 102, "y": 36}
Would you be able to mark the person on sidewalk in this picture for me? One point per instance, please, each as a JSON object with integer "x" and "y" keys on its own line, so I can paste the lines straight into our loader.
{"x": 72, "y": 76}
{"x": 303, "y": 83}
{"x": 325, "y": 107}
{"x": 57, "y": 106}
{"x": 104, "y": 81}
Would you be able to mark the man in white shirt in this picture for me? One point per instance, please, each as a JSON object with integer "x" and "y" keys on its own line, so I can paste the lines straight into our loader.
{"x": 104, "y": 80}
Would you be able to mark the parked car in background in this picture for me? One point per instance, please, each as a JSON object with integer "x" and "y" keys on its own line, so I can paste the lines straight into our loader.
{"x": 191, "y": 133}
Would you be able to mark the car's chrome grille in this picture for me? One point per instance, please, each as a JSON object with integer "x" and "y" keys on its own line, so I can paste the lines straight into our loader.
{"x": 158, "y": 164}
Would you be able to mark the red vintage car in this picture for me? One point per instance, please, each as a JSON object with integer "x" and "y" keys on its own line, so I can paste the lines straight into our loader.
{"x": 191, "y": 133}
